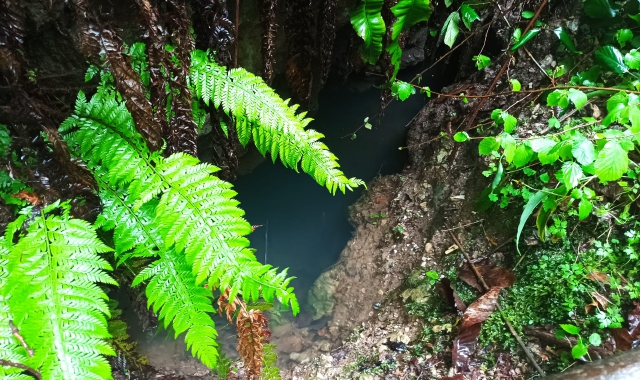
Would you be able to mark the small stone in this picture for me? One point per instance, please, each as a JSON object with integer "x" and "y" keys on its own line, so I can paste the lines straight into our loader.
{"x": 380, "y": 292}
{"x": 325, "y": 346}
{"x": 428, "y": 248}
{"x": 376, "y": 305}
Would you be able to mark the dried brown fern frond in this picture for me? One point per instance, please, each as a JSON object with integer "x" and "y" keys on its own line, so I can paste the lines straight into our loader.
{"x": 326, "y": 36}
{"x": 253, "y": 332}
{"x": 216, "y": 28}
{"x": 11, "y": 38}
{"x": 183, "y": 130}
{"x": 269, "y": 29}
{"x": 96, "y": 40}
{"x": 300, "y": 30}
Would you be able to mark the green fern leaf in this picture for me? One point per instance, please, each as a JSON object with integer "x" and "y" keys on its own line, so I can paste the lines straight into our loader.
{"x": 260, "y": 113}
{"x": 368, "y": 23}
{"x": 172, "y": 291}
{"x": 196, "y": 213}
{"x": 54, "y": 300}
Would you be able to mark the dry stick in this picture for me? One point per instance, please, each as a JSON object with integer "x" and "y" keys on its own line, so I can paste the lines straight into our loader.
{"x": 506, "y": 321}
{"x": 16, "y": 333}
{"x": 8, "y": 363}
{"x": 449, "y": 52}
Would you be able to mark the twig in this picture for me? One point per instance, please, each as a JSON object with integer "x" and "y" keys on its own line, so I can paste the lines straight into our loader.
{"x": 500, "y": 308}
{"x": 540, "y": 67}
{"x": 466, "y": 225}
{"x": 8, "y": 363}
{"x": 449, "y": 52}
{"x": 16, "y": 333}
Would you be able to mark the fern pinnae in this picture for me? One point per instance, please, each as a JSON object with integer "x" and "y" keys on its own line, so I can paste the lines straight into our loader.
{"x": 273, "y": 124}
{"x": 55, "y": 300}
{"x": 172, "y": 291}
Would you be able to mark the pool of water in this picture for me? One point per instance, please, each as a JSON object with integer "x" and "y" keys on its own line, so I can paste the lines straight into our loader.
{"x": 304, "y": 227}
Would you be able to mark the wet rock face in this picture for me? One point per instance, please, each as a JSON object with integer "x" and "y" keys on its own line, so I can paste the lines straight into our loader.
{"x": 624, "y": 366}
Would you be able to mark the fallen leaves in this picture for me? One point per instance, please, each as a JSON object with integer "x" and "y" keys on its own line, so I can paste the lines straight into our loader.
{"x": 493, "y": 276}
{"x": 479, "y": 311}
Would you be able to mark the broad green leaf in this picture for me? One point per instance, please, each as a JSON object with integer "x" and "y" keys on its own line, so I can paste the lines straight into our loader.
{"x": 450, "y": 30}
{"x": 515, "y": 85}
{"x": 612, "y": 162}
{"x": 543, "y": 144}
{"x": 534, "y": 201}
{"x": 636, "y": 18}
{"x": 578, "y": 98}
{"x": 623, "y": 36}
{"x": 498, "y": 178}
{"x": 566, "y": 40}
{"x": 528, "y": 14}
{"x": 558, "y": 98}
{"x": 523, "y": 155}
{"x": 579, "y": 350}
{"x": 409, "y": 13}
{"x": 526, "y": 38}
{"x": 595, "y": 339}
{"x": 632, "y": 59}
{"x": 571, "y": 329}
{"x": 571, "y": 174}
{"x": 448, "y": 3}
{"x": 481, "y": 61}
{"x": 599, "y": 9}
{"x": 510, "y": 123}
{"x": 461, "y": 137}
{"x": 488, "y": 145}
{"x": 611, "y": 58}
{"x": 508, "y": 144}
{"x": 634, "y": 118}
{"x": 468, "y": 15}
{"x": 584, "y": 209}
{"x": 402, "y": 89}
{"x": 517, "y": 34}
{"x": 583, "y": 151}
{"x": 368, "y": 23}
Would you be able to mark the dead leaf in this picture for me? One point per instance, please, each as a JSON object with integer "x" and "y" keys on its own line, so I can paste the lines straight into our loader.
{"x": 622, "y": 339}
{"x": 589, "y": 307}
{"x": 29, "y": 197}
{"x": 493, "y": 276}
{"x": 602, "y": 300}
{"x": 456, "y": 377}
{"x": 466, "y": 342}
{"x": 598, "y": 276}
{"x": 482, "y": 308}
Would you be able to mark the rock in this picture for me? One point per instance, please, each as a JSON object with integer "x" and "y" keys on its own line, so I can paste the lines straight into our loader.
{"x": 291, "y": 343}
{"x": 324, "y": 346}
{"x": 301, "y": 357}
{"x": 321, "y": 296}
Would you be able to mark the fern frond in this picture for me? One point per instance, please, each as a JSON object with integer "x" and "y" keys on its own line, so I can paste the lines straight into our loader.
{"x": 10, "y": 348}
{"x": 197, "y": 212}
{"x": 55, "y": 301}
{"x": 274, "y": 125}
{"x": 172, "y": 291}
{"x": 178, "y": 301}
